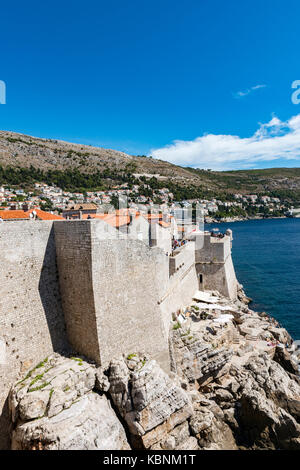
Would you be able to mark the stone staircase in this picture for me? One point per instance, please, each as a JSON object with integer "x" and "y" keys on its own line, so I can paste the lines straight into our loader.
{"x": 252, "y": 335}
{"x": 235, "y": 338}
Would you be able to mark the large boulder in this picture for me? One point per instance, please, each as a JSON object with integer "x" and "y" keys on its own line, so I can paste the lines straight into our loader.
{"x": 195, "y": 359}
{"x": 55, "y": 407}
{"x": 268, "y": 404}
{"x": 208, "y": 425}
{"x": 53, "y": 385}
{"x": 89, "y": 424}
{"x": 149, "y": 401}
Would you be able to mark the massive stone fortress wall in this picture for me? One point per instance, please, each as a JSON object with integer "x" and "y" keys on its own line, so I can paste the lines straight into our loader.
{"x": 85, "y": 284}
{"x": 31, "y": 316}
{"x": 178, "y": 282}
{"x": 74, "y": 259}
{"x": 110, "y": 292}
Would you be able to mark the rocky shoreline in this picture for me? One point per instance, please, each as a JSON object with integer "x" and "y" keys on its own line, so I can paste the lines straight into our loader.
{"x": 233, "y": 384}
{"x": 212, "y": 220}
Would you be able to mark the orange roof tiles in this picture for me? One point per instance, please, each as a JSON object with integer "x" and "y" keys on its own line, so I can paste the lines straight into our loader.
{"x": 164, "y": 224}
{"x": 94, "y": 216}
{"x": 113, "y": 219}
{"x": 43, "y": 215}
{"x": 118, "y": 221}
{"x": 153, "y": 216}
{"x": 122, "y": 211}
{"x": 13, "y": 214}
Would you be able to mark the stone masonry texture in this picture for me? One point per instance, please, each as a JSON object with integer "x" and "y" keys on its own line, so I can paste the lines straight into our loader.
{"x": 31, "y": 317}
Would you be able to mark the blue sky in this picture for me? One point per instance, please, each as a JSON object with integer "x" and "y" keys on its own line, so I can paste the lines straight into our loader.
{"x": 155, "y": 77}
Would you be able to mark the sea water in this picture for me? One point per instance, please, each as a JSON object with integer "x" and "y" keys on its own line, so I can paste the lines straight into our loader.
{"x": 266, "y": 257}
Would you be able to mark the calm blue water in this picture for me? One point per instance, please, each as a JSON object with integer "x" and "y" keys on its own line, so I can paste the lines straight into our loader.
{"x": 266, "y": 256}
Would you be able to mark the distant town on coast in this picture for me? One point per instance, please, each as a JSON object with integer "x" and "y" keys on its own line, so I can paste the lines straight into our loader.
{"x": 70, "y": 181}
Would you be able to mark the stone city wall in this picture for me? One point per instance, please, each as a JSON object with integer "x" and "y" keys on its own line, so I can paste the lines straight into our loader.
{"x": 31, "y": 316}
{"x": 178, "y": 282}
{"x": 106, "y": 292}
{"x": 214, "y": 265}
{"x": 110, "y": 292}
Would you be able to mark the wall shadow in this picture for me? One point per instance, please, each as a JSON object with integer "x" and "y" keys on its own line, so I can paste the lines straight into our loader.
{"x": 5, "y": 424}
{"x": 50, "y": 295}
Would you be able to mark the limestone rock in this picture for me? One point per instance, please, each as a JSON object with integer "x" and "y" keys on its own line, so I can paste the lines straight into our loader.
{"x": 34, "y": 405}
{"x": 178, "y": 439}
{"x": 210, "y": 429}
{"x": 149, "y": 401}
{"x": 276, "y": 383}
{"x": 54, "y": 407}
{"x": 195, "y": 359}
{"x": 226, "y": 391}
{"x": 269, "y": 404}
{"x": 89, "y": 424}
{"x": 102, "y": 382}
{"x": 53, "y": 385}
{"x": 222, "y": 395}
{"x": 286, "y": 360}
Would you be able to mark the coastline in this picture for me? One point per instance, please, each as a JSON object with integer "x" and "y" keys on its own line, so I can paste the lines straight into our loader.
{"x": 252, "y": 303}
{"x": 233, "y": 385}
{"x": 290, "y": 350}
{"x": 266, "y": 256}
{"x": 231, "y": 382}
{"x": 211, "y": 220}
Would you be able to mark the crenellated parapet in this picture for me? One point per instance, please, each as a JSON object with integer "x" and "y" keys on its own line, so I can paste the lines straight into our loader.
{"x": 214, "y": 265}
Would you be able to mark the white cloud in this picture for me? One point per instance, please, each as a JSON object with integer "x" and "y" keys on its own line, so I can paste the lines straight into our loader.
{"x": 272, "y": 141}
{"x": 241, "y": 94}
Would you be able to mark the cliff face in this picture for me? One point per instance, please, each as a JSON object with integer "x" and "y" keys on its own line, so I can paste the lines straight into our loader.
{"x": 232, "y": 387}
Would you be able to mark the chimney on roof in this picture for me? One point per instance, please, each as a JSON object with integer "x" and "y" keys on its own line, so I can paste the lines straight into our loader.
{"x": 166, "y": 217}
{"x": 80, "y": 215}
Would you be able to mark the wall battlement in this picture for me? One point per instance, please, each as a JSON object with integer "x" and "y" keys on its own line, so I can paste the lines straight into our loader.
{"x": 213, "y": 249}
{"x": 214, "y": 265}
{"x": 182, "y": 258}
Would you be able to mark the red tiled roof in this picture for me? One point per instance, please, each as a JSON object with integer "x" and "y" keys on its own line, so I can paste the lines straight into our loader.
{"x": 153, "y": 216}
{"x": 43, "y": 215}
{"x": 118, "y": 221}
{"x": 13, "y": 214}
{"x": 94, "y": 216}
{"x": 164, "y": 224}
{"x": 113, "y": 219}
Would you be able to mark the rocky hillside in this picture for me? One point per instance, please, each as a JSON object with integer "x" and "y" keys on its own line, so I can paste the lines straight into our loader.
{"x": 254, "y": 181}
{"x": 228, "y": 389}
{"x": 21, "y": 151}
